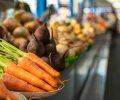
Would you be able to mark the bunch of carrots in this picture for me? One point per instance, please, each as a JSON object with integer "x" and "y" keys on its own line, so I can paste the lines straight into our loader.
{"x": 26, "y": 72}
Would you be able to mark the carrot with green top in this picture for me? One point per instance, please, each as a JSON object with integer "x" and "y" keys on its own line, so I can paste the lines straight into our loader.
{"x": 12, "y": 69}
{"x": 8, "y": 48}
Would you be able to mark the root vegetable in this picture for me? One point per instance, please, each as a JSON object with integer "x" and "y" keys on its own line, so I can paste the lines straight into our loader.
{"x": 5, "y": 34}
{"x": 5, "y": 94}
{"x": 42, "y": 34}
{"x": 63, "y": 41}
{"x": 57, "y": 61}
{"x": 21, "y": 43}
{"x": 51, "y": 46}
{"x": 42, "y": 64}
{"x": 15, "y": 84}
{"x": 33, "y": 68}
{"x": 5, "y": 47}
{"x": 21, "y": 32}
{"x": 11, "y": 24}
{"x": 72, "y": 53}
{"x": 18, "y": 14}
{"x": 36, "y": 47}
{"x": 45, "y": 59}
{"x": 26, "y": 17}
{"x": 32, "y": 26}
{"x": 13, "y": 69}
{"x": 61, "y": 48}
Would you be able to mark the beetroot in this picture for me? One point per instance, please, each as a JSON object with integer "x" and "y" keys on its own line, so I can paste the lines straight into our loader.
{"x": 51, "y": 46}
{"x": 42, "y": 34}
{"x": 57, "y": 61}
{"x": 35, "y": 47}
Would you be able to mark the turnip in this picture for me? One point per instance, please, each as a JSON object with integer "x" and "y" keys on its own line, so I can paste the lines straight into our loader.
{"x": 61, "y": 48}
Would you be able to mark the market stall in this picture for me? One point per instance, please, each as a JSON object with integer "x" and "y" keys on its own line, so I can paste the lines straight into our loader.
{"x": 51, "y": 57}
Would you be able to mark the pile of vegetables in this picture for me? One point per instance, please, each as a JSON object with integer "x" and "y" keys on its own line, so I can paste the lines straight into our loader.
{"x": 26, "y": 72}
{"x": 19, "y": 29}
{"x": 63, "y": 39}
{"x": 70, "y": 34}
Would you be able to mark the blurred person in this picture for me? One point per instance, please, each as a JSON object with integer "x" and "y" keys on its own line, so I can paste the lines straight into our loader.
{"x": 20, "y": 5}
{"x": 114, "y": 21}
{"x": 48, "y": 13}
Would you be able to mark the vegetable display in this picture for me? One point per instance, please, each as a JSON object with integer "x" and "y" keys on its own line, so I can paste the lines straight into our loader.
{"x": 32, "y": 54}
{"x": 30, "y": 72}
{"x": 49, "y": 42}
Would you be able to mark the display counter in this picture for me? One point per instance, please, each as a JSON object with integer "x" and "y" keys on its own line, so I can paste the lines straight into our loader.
{"x": 76, "y": 76}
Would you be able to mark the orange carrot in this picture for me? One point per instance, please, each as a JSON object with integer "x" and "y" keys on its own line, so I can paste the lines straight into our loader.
{"x": 33, "y": 68}
{"x": 42, "y": 64}
{"x": 15, "y": 84}
{"x": 7, "y": 48}
{"x": 13, "y": 69}
{"x": 5, "y": 93}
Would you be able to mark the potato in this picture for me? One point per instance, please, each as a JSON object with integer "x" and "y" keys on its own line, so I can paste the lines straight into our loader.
{"x": 21, "y": 32}
{"x": 26, "y": 17}
{"x": 31, "y": 26}
{"x": 21, "y": 43}
{"x": 11, "y": 24}
{"x": 18, "y": 14}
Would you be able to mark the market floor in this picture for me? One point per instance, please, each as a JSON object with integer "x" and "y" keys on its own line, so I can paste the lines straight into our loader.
{"x": 112, "y": 90}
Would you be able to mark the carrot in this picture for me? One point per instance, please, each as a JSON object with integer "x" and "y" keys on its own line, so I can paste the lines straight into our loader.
{"x": 31, "y": 67}
{"x": 15, "y": 84}
{"x": 12, "y": 69}
{"x": 42, "y": 64}
{"x": 5, "y": 93}
{"x": 10, "y": 49}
